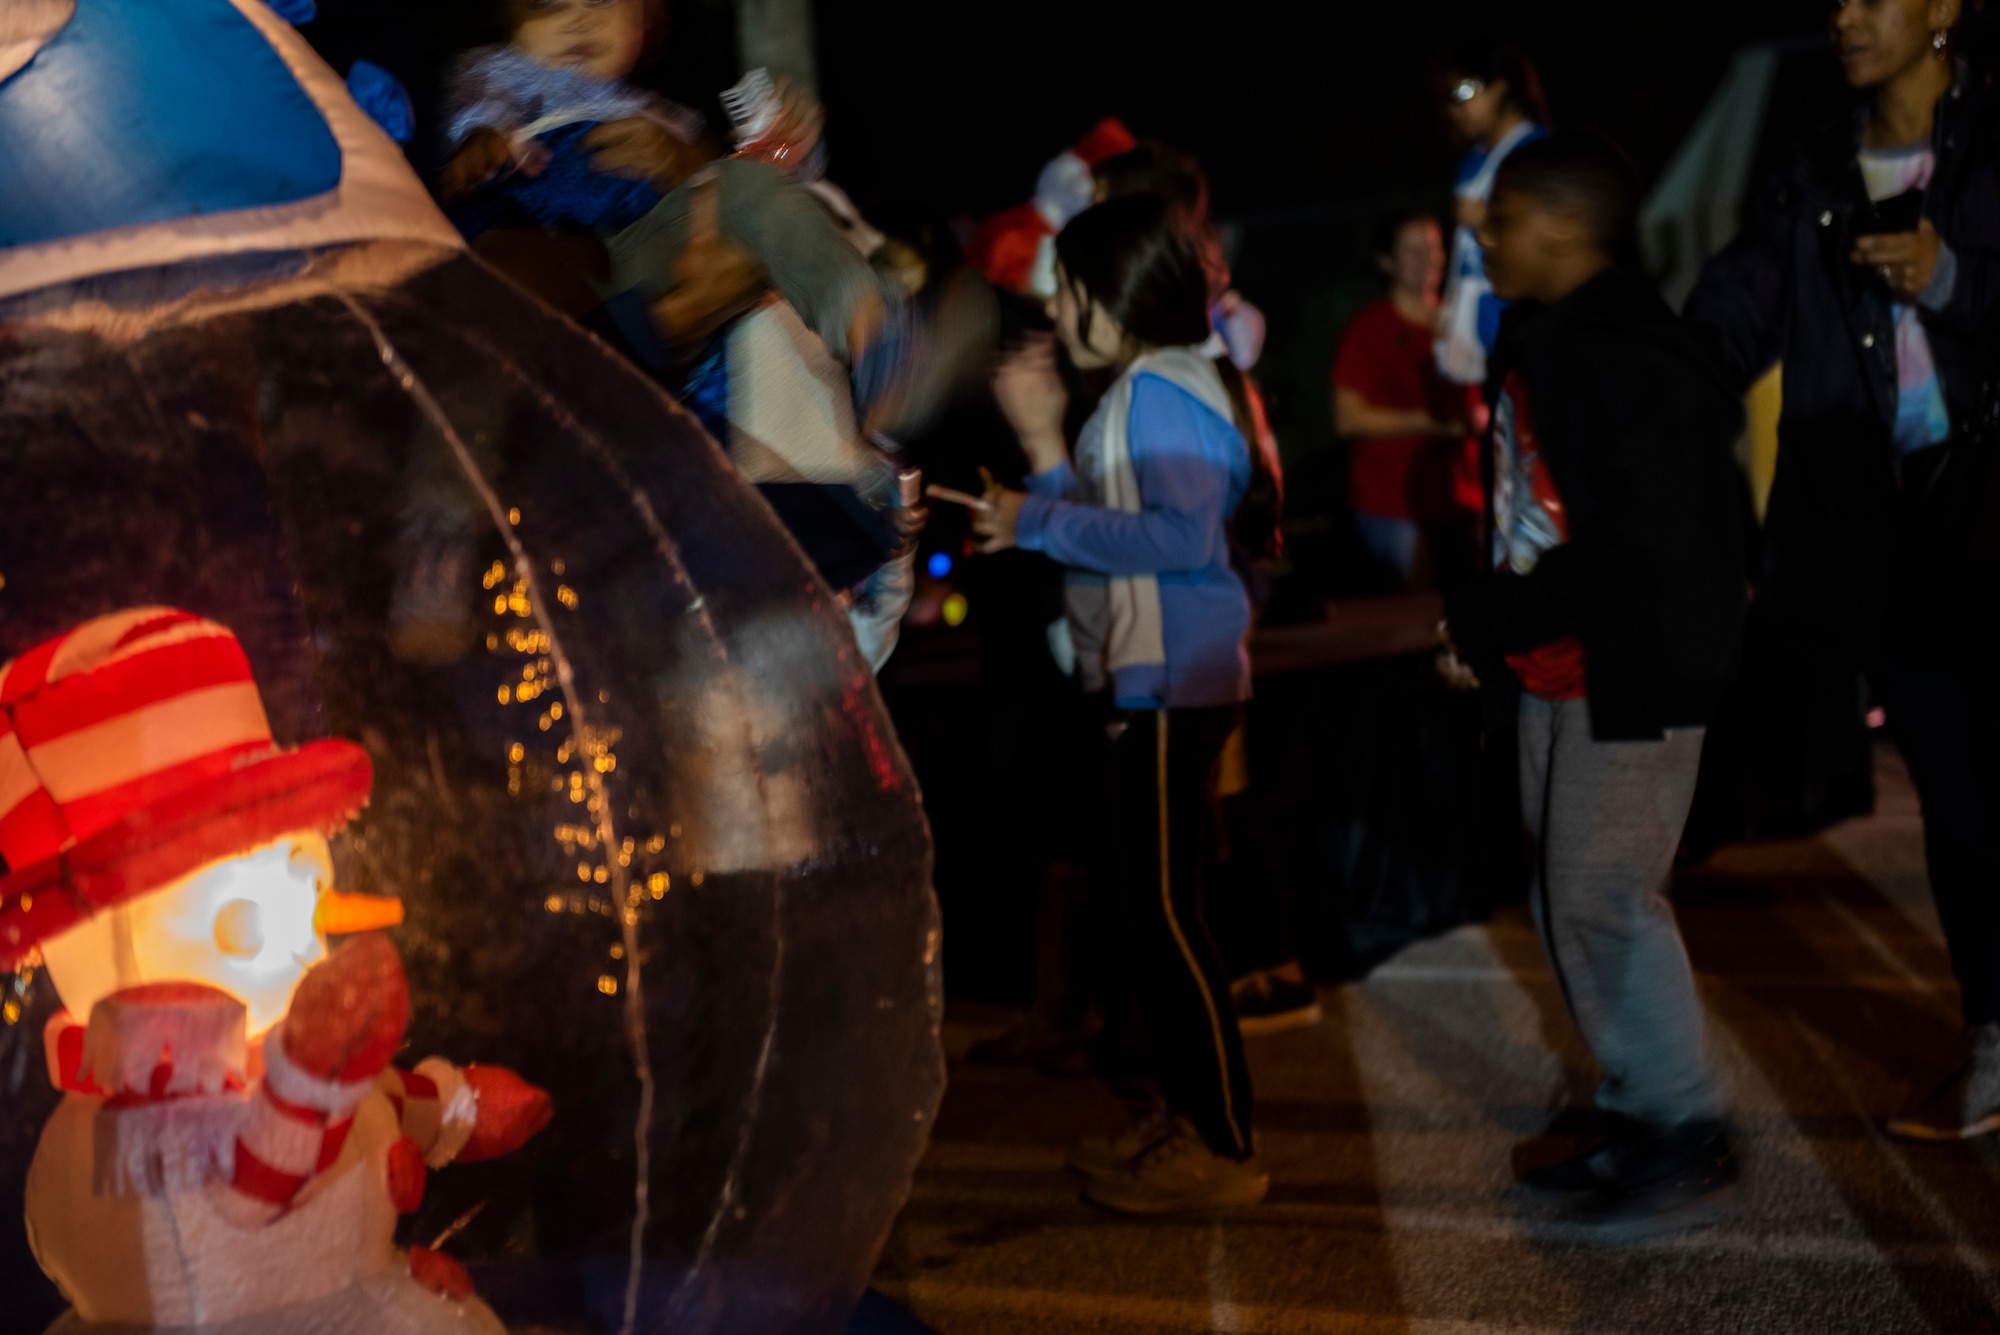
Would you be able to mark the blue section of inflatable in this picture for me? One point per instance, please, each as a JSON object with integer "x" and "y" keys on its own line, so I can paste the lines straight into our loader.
{"x": 152, "y": 111}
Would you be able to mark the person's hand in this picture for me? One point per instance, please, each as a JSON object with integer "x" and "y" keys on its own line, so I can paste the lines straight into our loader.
{"x": 1456, "y": 673}
{"x": 908, "y": 521}
{"x": 995, "y": 524}
{"x": 484, "y": 156}
{"x": 643, "y": 150}
{"x": 1905, "y": 260}
{"x": 1030, "y": 393}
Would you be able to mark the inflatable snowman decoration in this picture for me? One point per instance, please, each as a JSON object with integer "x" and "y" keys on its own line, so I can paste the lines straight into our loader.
{"x": 234, "y": 1146}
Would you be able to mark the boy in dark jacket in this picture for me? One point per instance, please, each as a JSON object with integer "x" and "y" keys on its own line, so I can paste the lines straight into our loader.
{"x": 1609, "y": 626}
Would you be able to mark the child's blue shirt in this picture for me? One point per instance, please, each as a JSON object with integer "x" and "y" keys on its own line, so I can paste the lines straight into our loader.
{"x": 1193, "y": 468}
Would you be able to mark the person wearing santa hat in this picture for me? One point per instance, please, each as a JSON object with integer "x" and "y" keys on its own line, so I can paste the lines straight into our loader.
{"x": 1016, "y": 248}
{"x": 233, "y": 1139}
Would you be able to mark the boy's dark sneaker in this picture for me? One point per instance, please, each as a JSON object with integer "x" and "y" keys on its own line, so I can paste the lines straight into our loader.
{"x": 1645, "y": 1180}
{"x": 1269, "y": 1004}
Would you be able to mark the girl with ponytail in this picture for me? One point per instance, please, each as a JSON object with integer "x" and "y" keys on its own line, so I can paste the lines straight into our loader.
{"x": 1142, "y": 520}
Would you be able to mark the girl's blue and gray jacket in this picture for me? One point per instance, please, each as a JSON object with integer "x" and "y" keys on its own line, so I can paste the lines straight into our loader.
{"x": 1193, "y": 467}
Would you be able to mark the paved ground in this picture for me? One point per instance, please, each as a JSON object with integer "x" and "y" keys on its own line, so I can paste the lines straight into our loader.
{"x": 1390, "y": 1131}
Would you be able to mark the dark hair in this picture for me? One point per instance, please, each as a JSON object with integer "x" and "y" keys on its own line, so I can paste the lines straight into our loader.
{"x": 1135, "y": 257}
{"x": 1389, "y": 230}
{"x": 1490, "y": 60}
{"x": 1256, "y": 525}
{"x": 1585, "y": 174}
{"x": 1155, "y": 169}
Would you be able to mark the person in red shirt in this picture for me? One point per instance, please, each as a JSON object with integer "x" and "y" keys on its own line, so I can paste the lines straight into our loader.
{"x": 1413, "y": 465}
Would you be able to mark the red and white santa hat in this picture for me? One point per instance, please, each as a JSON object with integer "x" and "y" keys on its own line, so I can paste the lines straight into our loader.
{"x": 1015, "y": 248}
{"x": 133, "y": 750}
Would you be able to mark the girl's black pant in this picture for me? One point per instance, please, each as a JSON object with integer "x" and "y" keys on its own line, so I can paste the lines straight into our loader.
{"x": 1163, "y": 766}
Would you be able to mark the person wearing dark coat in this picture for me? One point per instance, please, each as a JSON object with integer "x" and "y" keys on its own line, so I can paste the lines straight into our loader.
{"x": 1870, "y": 267}
{"x": 1608, "y": 628}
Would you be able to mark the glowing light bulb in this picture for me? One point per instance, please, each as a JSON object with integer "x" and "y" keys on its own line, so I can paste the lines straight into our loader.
{"x": 939, "y": 565}
{"x": 955, "y": 610}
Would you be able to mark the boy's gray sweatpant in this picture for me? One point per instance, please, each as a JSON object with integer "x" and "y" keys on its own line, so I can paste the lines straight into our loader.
{"x": 1604, "y": 820}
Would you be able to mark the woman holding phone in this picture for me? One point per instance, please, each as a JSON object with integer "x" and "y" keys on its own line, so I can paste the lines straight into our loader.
{"x": 1142, "y": 521}
{"x": 1870, "y": 267}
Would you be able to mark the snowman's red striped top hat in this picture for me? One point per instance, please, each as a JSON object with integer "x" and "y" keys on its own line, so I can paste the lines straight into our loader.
{"x": 134, "y": 749}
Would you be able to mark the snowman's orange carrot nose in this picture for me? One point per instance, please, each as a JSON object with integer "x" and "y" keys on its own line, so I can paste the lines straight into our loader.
{"x": 342, "y": 914}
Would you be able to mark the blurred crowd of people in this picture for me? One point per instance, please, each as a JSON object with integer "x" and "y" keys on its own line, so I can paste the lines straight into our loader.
{"x": 1531, "y": 434}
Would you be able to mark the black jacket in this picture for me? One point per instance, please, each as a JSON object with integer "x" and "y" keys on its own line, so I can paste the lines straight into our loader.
{"x": 1637, "y": 424}
{"x": 1785, "y": 290}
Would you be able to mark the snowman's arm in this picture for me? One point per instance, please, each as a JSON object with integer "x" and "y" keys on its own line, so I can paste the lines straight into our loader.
{"x": 438, "y": 1108}
{"x": 464, "y": 1114}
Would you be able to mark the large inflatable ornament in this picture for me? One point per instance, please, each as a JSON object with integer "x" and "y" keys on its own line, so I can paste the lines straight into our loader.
{"x": 389, "y": 671}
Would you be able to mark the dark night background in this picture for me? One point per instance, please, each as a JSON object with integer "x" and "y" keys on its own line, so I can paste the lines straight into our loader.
{"x": 1314, "y": 121}
{"x": 1290, "y": 105}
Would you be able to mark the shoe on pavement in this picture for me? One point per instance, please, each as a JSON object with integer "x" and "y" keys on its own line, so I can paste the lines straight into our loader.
{"x": 1588, "y": 1171}
{"x": 1967, "y": 1104}
{"x": 1645, "y": 1181}
{"x": 1269, "y": 1004}
{"x": 1104, "y": 1156}
{"x": 1179, "y": 1174}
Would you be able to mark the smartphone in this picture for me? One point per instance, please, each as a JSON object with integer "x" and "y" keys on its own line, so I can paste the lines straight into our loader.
{"x": 1898, "y": 213}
